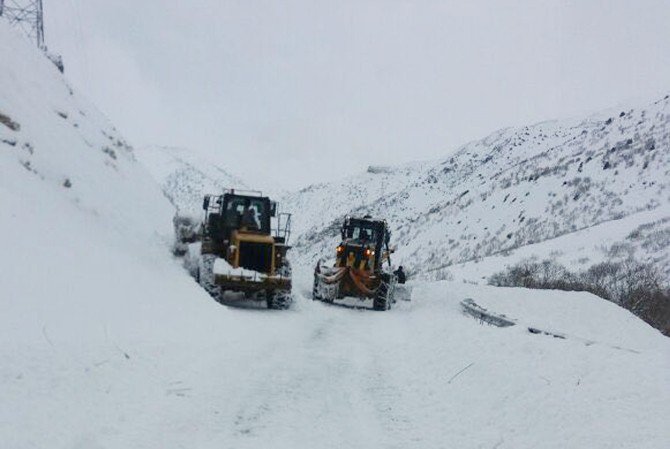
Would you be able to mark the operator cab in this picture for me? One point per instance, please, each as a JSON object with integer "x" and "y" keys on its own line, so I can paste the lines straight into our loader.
{"x": 363, "y": 242}
{"x": 247, "y": 212}
{"x": 232, "y": 211}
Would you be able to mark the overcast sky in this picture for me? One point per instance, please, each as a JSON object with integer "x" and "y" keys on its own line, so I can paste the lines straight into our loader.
{"x": 295, "y": 92}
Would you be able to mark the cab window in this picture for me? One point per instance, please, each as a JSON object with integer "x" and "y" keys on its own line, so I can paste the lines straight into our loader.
{"x": 361, "y": 233}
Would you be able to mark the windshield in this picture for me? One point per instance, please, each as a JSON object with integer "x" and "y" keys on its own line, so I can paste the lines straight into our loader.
{"x": 362, "y": 233}
{"x": 246, "y": 212}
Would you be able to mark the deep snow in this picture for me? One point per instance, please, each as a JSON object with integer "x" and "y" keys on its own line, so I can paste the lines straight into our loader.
{"x": 106, "y": 342}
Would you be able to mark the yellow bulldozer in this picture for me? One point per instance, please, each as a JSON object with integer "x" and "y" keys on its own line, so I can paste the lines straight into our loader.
{"x": 362, "y": 267}
{"x": 242, "y": 252}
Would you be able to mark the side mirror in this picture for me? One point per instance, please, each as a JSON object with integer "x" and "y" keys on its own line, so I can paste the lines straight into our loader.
{"x": 205, "y": 203}
{"x": 273, "y": 209}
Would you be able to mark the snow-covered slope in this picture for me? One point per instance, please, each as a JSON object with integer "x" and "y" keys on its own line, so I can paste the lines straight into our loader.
{"x": 89, "y": 297}
{"x": 56, "y": 141}
{"x": 514, "y": 188}
{"x": 185, "y": 177}
{"x": 316, "y": 206}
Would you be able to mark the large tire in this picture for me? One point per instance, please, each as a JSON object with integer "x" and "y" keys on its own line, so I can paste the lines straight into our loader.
{"x": 279, "y": 300}
{"x": 317, "y": 291}
{"x": 383, "y": 299}
{"x": 316, "y": 296}
{"x": 285, "y": 270}
{"x": 205, "y": 275}
{"x": 335, "y": 292}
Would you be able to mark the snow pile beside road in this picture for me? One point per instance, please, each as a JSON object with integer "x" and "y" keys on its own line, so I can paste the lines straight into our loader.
{"x": 577, "y": 315}
{"x": 600, "y": 386}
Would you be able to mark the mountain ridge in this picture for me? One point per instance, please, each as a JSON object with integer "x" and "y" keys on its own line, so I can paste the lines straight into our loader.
{"x": 515, "y": 187}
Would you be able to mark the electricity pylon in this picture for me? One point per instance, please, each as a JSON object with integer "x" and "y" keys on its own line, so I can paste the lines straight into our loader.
{"x": 28, "y": 15}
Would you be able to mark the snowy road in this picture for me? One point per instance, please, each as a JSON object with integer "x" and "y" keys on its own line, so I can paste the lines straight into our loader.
{"x": 422, "y": 375}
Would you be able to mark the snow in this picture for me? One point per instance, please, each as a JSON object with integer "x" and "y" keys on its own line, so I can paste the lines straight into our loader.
{"x": 106, "y": 342}
{"x": 516, "y": 188}
{"x": 577, "y": 315}
{"x": 221, "y": 266}
{"x": 577, "y": 250}
{"x": 186, "y": 178}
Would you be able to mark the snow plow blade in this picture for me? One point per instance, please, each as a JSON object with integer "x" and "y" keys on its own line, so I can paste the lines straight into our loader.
{"x": 250, "y": 284}
{"x": 340, "y": 282}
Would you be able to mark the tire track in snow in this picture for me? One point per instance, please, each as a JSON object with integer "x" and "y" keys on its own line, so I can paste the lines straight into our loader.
{"x": 316, "y": 380}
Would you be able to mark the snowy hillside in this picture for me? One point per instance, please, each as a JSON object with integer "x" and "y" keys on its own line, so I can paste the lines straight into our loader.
{"x": 516, "y": 187}
{"x": 184, "y": 177}
{"x": 89, "y": 297}
{"x": 338, "y": 198}
{"x": 54, "y": 140}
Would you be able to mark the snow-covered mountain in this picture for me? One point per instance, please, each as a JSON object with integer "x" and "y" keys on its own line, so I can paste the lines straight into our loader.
{"x": 186, "y": 177}
{"x": 514, "y": 188}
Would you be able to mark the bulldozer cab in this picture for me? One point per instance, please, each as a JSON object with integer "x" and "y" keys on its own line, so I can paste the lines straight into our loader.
{"x": 231, "y": 211}
{"x": 238, "y": 228}
{"x": 364, "y": 243}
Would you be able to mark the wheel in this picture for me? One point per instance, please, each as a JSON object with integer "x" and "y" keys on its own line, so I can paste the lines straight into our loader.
{"x": 324, "y": 292}
{"x": 332, "y": 294}
{"x": 381, "y": 300}
{"x": 285, "y": 270}
{"x": 278, "y": 300}
{"x": 204, "y": 275}
{"x": 384, "y": 295}
{"x": 315, "y": 289}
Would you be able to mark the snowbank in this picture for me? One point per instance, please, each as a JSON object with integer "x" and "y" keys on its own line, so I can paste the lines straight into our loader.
{"x": 90, "y": 301}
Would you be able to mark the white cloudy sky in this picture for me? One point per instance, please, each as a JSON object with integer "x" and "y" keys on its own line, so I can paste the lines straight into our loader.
{"x": 293, "y": 92}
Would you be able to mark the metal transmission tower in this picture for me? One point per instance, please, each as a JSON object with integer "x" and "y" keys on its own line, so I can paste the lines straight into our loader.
{"x": 27, "y": 15}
